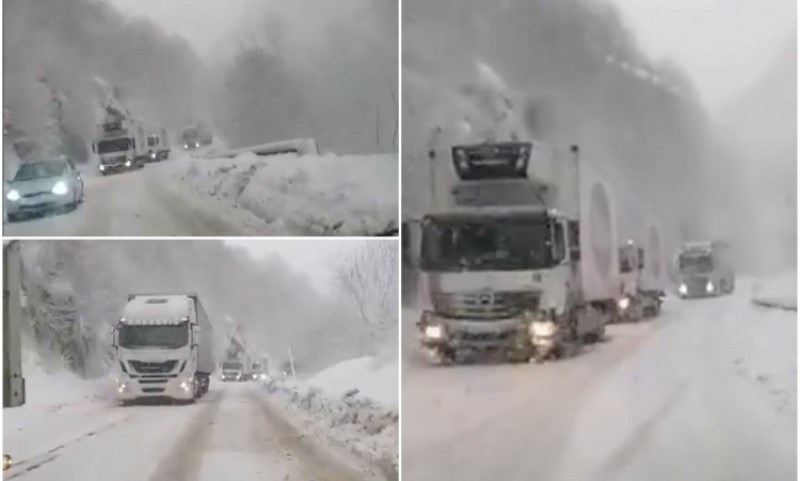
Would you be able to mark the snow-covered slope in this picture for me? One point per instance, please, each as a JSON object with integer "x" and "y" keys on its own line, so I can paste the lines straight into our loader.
{"x": 352, "y": 405}
{"x": 305, "y": 195}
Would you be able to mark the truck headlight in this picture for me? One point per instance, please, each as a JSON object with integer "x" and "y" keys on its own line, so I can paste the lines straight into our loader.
{"x": 60, "y": 188}
{"x": 624, "y": 303}
{"x": 263, "y": 377}
{"x": 152, "y": 155}
{"x": 542, "y": 329}
{"x": 683, "y": 289}
{"x": 13, "y": 195}
{"x": 127, "y": 163}
{"x": 434, "y": 332}
{"x": 102, "y": 167}
{"x": 121, "y": 386}
{"x": 185, "y": 146}
{"x": 709, "y": 287}
{"x": 197, "y": 144}
{"x": 186, "y": 385}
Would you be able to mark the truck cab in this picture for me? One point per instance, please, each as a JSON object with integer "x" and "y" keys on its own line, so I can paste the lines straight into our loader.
{"x": 122, "y": 145}
{"x": 232, "y": 370}
{"x": 499, "y": 272}
{"x": 163, "y": 350}
{"x": 705, "y": 269}
{"x": 635, "y": 302}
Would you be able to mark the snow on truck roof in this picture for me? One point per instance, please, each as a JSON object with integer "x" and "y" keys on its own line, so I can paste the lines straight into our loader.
{"x": 156, "y": 309}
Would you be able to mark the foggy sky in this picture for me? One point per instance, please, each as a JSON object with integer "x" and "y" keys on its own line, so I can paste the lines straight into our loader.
{"x": 313, "y": 257}
{"x": 724, "y": 45}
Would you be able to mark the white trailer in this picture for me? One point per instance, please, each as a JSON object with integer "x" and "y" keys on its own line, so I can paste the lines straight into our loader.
{"x": 121, "y": 145}
{"x": 164, "y": 347}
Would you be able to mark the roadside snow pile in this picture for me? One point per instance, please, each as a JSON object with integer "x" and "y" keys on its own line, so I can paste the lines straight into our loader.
{"x": 305, "y": 195}
{"x": 336, "y": 409}
{"x": 778, "y": 292}
{"x": 375, "y": 381}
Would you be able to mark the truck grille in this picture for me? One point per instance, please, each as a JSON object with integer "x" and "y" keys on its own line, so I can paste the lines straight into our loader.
{"x": 152, "y": 389}
{"x": 485, "y": 305}
{"x": 153, "y": 367}
{"x": 696, "y": 284}
{"x": 35, "y": 194}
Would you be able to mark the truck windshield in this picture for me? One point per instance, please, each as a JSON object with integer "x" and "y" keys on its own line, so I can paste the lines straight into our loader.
{"x": 164, "y": 337}
{"x": 695, "y": 264}
{"x": 231, "y": 366}
{"x": 482, "y": 244}
{"x": 152, "y": 140}
{"x": 114, "y": 145}
{"x": 190, "y": 135}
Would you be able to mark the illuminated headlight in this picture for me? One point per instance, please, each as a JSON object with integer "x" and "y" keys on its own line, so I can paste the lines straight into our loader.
{"x": 238, "y": 376}
{"x": 185, "y": 146}
{"x": 121, "y": 386}
{"x": 127, "y": 163}
{"x": 197, "y": 144}
{"x": 543, "y": 328}
{"x": 13, "y": 195}
{"x": 683, "y": 289}
{"x": 624, "y": 303}
{"x": 102, "y": 167}
{"x": 186, "y": 385}
{"x": 263, "y": 377}
{"x": 709, "y": 287}
{"x": 434, "y": 332}
{"x": 152, "y": 155}
{"x": 60, "y": 188}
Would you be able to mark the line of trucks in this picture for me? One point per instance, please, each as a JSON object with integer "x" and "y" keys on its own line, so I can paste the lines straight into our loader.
{"x": 523, "y": 258}
{"x": 125, "y": 143}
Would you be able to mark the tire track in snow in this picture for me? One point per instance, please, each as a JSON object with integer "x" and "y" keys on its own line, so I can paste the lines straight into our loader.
{"x": 183, "y": 461}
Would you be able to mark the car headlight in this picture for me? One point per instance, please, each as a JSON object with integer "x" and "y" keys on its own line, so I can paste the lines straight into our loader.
{"x": 434, "y": 332}
{"x": 683, "y": 289}
{"x": 13, "y": 195}
{"x": 543, "y": 328}
{"x": 709, "y": 287}
{"x": 60, "y": 188}
{"x": 624, "y": 303}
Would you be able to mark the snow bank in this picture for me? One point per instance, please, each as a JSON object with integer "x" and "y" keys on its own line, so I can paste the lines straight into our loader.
{"x": 352, "y": 405}
{"x": 778, "y": 292}
{"x": 304, "y": 195}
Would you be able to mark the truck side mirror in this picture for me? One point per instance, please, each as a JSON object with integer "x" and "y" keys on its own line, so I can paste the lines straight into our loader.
{"x": 641, "y": 258}
{"x": 94, "y": 147}
{"x": 575, "y": 254}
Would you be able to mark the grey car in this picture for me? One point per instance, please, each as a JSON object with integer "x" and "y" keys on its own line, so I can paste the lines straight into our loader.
{"x": 44, "y": 186}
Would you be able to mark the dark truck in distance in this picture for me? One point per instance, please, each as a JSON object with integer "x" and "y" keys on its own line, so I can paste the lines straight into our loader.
{"x": 705, "y": 269}
{"x": 197, "y": 136}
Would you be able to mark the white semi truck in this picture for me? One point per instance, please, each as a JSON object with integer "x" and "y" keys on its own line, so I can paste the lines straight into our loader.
{"x": 641, "y": 295}
{"x": 523, "y": 261}
{"x": 164, "y": 347}
{"x": 121, "y": 145}
{"x": 705, "y": 269}
{"x": 158, "y": 147}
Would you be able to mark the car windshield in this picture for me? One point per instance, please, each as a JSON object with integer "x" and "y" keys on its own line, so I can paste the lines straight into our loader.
{"x": 114, "y": 145}
{"x": 231, "y": 366}
{"x": 696, "y": 264}
{"x": 157, "y": 336}
{"x": 41, "y": 170}
{"x": 487, "y": 243}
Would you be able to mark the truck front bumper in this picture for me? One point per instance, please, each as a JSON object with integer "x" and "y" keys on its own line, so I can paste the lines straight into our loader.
{"x": 179, "y": 388}
{"x": 503, "y": 334}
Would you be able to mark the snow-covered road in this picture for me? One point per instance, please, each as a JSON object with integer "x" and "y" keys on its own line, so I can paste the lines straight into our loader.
{"x": 142, "y": 202}
{"x": 243, "y": 196}
{"x": 707, "y": 391}
{"x": 234, "y": 432}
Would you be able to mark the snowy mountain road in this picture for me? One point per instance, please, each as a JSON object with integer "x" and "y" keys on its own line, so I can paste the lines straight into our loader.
{"x": 706, "y": 391}
{"x": 232, "y": 433}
